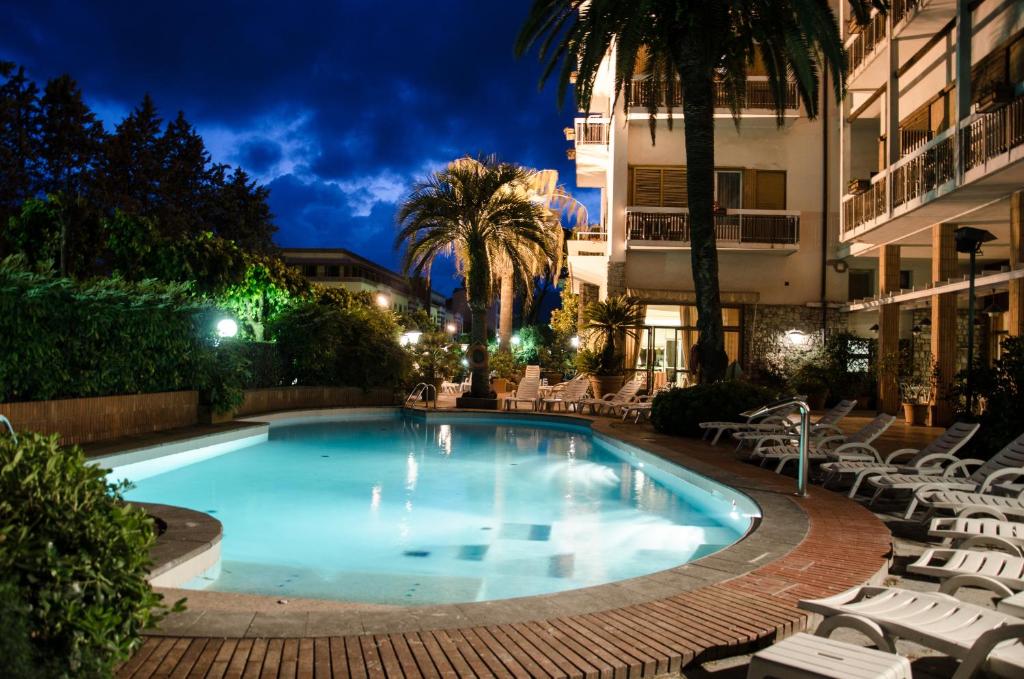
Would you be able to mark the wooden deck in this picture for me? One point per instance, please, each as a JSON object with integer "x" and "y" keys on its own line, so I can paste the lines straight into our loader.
{"x": 845, "y": 545}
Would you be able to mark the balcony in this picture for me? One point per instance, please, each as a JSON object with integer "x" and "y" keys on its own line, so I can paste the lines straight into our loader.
{"x": 591, "y": 137}
{"x": 943, "y": 179}
{"x": 865, "y": 41}
{"x": 757, "y": 230}
{"x": 757, "y": 95}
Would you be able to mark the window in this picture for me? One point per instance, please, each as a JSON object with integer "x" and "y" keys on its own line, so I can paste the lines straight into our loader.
{"x": 658, "y": 186}
{"x": 906, "y": 279}
{"x": 333, "y": 271}
{"x": 861, "y": 284}
{"x": 309, "y": 270}
{"x": 858, "y": 355}
{"x": 729, "y": 188}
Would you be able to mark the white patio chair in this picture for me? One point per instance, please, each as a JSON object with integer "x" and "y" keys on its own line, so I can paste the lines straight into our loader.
{"x": 950, "y": 441}
{"x": 998, "y": 572}
{"x": 824, "y": 426}
{"x": 955, "y": 530}
{"x": 998, "y": 473}
{"x": 527, "y": 391}
{"x": 612, "y": 402}
{"x": 962, "y": 503}
{"x": 980, "y": 638}
{"x": 777, "y": 422}
{"x": 855, "y": 446}
{"x": 569, "y": 395}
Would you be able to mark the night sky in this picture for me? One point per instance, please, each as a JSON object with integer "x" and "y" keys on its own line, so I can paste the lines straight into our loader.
{"x": 336, "y": 106}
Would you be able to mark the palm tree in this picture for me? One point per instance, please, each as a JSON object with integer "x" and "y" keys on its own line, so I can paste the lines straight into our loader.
{"x": 542, "y": 188}
{"x": 686, "y": 47}
{"x": 474, "y": 210}
{"x": 613, "y": 320}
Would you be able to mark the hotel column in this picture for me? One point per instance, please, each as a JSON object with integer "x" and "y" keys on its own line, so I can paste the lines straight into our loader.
{"x": 889, "y": 330}
{"x": 944, "y": 322}
{"x": 1016, "y": 310}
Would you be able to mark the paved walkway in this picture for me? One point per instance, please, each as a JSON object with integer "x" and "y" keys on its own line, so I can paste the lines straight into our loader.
{"x": 844, "y": 545}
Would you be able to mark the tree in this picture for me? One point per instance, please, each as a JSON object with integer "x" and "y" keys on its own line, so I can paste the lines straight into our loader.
{"x": 475, "y": 211}
{"x": 239, "y": 210}
{"x": 70, "y": 141}
{"x": 132, "y": 163}
{"x": 688, "y": 47}
{"x": 19, "y": 141}
{"x": 185, "y": 189}
{"x": 612, "y": 320}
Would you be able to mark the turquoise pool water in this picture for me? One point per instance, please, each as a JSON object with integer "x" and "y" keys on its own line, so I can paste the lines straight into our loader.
{"x": 393, "y": 509}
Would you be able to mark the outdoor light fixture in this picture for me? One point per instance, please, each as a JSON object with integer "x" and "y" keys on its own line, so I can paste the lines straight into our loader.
{"x": 969, "y": 239}
{"x": 574, "y": 341}
{"x": 796, "y": 338}
{"x": 450, "y": 328}
{"x": 410, "y": 337}
{"x": 874, "y": 328}
{"x": 465, "y": 362}
{"x": 515, "y": 340}
{"x": 382, "y": 300}
{"x": 226, "y": 327}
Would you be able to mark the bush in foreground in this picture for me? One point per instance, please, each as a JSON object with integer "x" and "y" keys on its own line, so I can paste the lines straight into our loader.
{"x": 680, "y": 411}
{"x": 74, "y": 557}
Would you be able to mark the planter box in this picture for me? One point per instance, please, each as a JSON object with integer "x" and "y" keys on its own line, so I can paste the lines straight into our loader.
{"x": 103, "y": 418}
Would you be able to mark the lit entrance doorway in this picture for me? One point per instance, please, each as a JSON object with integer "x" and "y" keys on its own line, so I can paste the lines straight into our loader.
{"x": 663, "y": 352}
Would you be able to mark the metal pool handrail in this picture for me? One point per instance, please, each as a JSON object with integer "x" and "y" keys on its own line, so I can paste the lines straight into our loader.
{"x": 419, "y": 390}
{"x": 10, "y": 428}
{"x": 805, "y": 426}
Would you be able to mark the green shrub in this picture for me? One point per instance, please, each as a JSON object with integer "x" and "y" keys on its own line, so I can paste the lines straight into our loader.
{"x": 1001, "y": 391}
{"x": 680, "y": 411}
{"x": 266, "y": 368}
{"x": 340, "y": 340}
{"x": 503, "y": 364}
{"x": 76, "y": 555}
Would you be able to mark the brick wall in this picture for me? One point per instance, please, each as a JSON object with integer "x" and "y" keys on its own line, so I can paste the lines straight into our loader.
{"x": 85, "y": 420}
{"x": 292, "y": 398}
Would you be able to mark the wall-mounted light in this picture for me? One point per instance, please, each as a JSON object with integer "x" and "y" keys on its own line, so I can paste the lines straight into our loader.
{"x": 796, "y": 338}
{"x": 382, "y": 300}
{"x": 874, "y": 328}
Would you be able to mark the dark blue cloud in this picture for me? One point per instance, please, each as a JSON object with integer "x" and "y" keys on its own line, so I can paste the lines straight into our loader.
{"x": 338, "y": 106}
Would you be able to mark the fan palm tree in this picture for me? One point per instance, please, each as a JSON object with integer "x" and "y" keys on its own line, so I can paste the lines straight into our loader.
{"x": 686, "y": 47}
{"x": 543, "y": 189}
{"x": 474, "y": 210}
{"x": 612, "y": 320}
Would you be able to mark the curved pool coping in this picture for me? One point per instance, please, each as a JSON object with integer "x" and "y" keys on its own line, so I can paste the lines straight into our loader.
{"x": 743, "y": 594}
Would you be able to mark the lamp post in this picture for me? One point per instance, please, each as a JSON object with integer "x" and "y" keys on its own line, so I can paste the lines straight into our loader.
{"x": 969, "y": 239}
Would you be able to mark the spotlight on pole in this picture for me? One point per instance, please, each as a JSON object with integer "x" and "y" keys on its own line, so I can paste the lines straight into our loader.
{"x": 969, "y": 240}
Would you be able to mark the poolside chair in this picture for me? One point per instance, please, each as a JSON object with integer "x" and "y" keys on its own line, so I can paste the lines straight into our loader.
{"x": 568, "y": 394}
{"x": 776, "y": 422}
{"x": 948, "y": 443}
{"x": 855, "y": 446}
{"x": 954, "y": 531}
{"x": 824, "y": 426}
{"x": 612, "y": 402}
{"x": 980, "y": 638}
{"x": 641, "y": 407}
{"x": 532, "y": 371}
{"x": 963, "y": 503}
{"x": 528, "y": 391}
{"x": 1004, "y": 466}
{"x": 998, "y": 572}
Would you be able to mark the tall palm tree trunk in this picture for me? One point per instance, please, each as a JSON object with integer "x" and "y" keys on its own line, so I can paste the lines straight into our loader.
{"x": 477, "y": 277}
{"x": 507, "y": 302}
{"x": 699, "y": 128}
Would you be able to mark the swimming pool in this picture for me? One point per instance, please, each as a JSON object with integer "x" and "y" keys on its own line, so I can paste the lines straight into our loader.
{"x": 395, "y": 508}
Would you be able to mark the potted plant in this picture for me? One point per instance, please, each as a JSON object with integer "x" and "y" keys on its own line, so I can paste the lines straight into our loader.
{"x": 608, "y": 323}
{"x": 811, "y": 379}
{"x": 435, "y": 358}
{"x": 917, "y": 392}
{"x": 504, "y": 370}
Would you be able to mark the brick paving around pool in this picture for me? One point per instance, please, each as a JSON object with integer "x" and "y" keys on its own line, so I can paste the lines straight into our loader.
{"x": 725, "y": 604}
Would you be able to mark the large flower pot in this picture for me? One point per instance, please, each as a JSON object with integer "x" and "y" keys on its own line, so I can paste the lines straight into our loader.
{"x": 606, "y": 384}
{"x": 916, "y": 413}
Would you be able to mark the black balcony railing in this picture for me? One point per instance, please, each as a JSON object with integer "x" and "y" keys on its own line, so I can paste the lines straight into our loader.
{"x": 772, "y": 227}
{"x": 757, "y": 94}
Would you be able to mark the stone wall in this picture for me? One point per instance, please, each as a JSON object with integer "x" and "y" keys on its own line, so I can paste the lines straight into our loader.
{"x": 921, "y": 341}
{"x": 616, "y": 279}
{"x": 765, "y": 328}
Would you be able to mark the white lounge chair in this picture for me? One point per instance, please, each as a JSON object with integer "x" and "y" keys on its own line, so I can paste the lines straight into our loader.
{"x": 961, "y": 503}
{"x": 824, "y": 426}
{"x": 955, "y": 530}
{"x": 776, "y": 422}
{"x": 528, "y": 391}
{"x": 612, "y": 402}
{"x": 532, "y": 371}
{"x": 641, "y": 407}
{"x": 998, "y": 472}
{"x": 998, "y": 572}
{"x": 950, "y": 441}
{"x": 805, "y": 656}
{"x": 855, "y": 446}
{"x": 569, "y": 395}
{"x": 980, "y": 638}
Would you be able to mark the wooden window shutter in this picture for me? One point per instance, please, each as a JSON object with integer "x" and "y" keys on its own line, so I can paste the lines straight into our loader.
{"x": 749, "y": 188}
{"x": 647, "y": 186}
{"x": 673, "y": 187}
{"x": 771, "y": 190}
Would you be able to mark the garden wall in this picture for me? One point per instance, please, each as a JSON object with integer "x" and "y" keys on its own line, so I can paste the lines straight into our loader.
{"x": 765, "y": 325}
{"x": 292, "y": 398}
{"x": 101, "y": 418}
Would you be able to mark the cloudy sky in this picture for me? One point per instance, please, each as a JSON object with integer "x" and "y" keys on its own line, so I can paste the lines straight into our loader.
{"x": 336, "y": 105}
